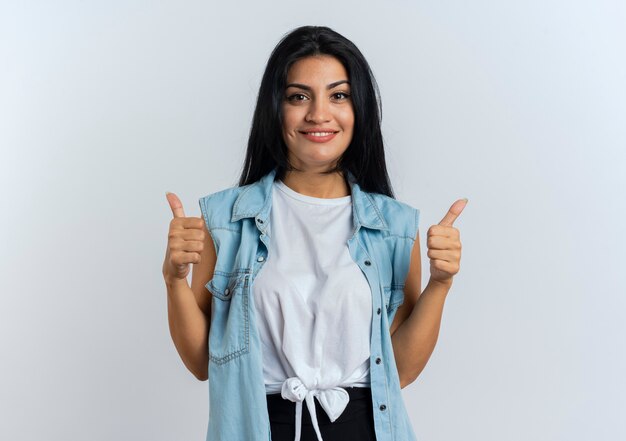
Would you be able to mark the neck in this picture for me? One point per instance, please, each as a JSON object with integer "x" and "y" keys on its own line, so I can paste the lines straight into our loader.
{"x": 316, "y": 184}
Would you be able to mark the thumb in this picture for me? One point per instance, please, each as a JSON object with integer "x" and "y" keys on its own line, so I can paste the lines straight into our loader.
{"x": 175, "y": 204}
{"x": 454, "y": 212}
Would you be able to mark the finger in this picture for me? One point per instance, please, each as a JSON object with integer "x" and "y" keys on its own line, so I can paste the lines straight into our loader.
{"x": 186, "y": 245}
{"x": 445, "y": 266}
{"x": 442, "y": 243}
{"x": 189, "y": 233}
{"x": 453, "y": 212}
{"x": 443, "y": 231}
{"x": 175, "y": 204}
{"x": 195, "y": 223}
{"x": 181, "y": 258}
{"x": 445, "y": 255}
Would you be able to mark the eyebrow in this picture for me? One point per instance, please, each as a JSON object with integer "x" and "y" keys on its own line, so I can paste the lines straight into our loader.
{"x": 305, "y": 87}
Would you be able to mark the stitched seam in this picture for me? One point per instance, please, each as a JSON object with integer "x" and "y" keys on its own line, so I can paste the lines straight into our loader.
{"x": 251, "y": 213}
{"x": 232, "y": 355}
{"x": 391, "y": 288}
{"x": 218, "y": 292}
{"x": 204, "y": 212}
{"x": 230, "y": 273}
{"x": 382, "y": 219}
{"x": 227, "y": 229}
{"x": 246, "y": 299}
{"x": 228, "y": 357}
{"x": 400, "y": 236}
{"x": 240, "y": 197}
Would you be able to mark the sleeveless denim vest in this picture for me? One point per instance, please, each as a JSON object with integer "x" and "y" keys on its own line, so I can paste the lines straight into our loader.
{"x": 237, "y": 218}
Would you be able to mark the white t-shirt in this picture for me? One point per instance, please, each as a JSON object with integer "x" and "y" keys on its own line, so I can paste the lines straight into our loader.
{"x": 313, "y": 303}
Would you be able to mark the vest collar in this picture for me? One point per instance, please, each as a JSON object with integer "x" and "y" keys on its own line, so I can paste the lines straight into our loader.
{"x": 255, "y": 200}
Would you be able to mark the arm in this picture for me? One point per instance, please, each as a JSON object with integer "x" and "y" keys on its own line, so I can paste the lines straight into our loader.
{"x": 415, "y": 328}
{"x": 189, "y": 312}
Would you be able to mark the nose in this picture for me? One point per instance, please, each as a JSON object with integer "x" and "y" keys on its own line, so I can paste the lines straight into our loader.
{"x": 318, "y": 112}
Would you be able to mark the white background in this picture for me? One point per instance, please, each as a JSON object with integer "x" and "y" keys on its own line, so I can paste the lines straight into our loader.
{"x": 519, "y": 106}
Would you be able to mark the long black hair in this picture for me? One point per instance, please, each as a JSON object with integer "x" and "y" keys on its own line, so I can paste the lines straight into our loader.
{"x": 364, "y": 157}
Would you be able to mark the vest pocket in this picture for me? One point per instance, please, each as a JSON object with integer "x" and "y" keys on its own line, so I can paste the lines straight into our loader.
{"x": 229, "y": 335}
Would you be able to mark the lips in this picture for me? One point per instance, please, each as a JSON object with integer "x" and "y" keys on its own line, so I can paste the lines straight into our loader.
{"x": 319, "y": 135}
{"x": 319, "y": 132}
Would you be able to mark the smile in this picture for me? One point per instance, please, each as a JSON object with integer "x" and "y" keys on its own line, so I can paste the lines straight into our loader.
{"x": 319, "y": 136}
{"x": 319, "y": 133}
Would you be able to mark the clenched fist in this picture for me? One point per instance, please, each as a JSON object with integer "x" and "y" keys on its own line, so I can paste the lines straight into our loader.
{"x": 185, "y": 241}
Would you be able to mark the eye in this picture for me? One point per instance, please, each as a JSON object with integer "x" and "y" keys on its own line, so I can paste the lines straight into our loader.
{"x": 296, "y": 97}
{"x": 341, "y": 96}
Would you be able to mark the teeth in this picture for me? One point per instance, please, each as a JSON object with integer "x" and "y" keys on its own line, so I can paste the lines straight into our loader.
{"x": 320, "y": 133}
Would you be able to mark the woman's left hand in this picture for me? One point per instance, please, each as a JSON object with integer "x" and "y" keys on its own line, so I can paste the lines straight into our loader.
{"x": 444, "y": 245}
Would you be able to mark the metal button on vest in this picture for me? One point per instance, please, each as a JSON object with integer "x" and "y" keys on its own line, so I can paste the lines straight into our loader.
{"x": 378, "y": 360}
{"x": 367, "y": 262}
{"x": 260, "y": 259}
{"x": 383, "y": 407}
{"x": 226, "y": 291}
{"x": 378, "y": 311}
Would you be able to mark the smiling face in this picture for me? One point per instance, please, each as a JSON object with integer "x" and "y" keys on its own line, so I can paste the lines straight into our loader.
{"x": 318, "y": 117}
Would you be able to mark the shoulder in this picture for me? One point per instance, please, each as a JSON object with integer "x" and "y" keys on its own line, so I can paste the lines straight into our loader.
{"x": 401, "y": 218}
{"x": 217, "y": 207}
{"x": 224, "y": 195}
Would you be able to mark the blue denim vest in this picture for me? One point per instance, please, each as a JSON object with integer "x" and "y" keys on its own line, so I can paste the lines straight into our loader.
{"x": 237, "y": 218}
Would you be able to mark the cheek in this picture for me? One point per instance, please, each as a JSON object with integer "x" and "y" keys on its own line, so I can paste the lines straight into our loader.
{"x": 348, "y": 120}
{"x": 289, "y": 120}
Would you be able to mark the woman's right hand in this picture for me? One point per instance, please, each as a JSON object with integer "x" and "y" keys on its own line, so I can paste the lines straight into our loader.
{"x": 185, "y": 242}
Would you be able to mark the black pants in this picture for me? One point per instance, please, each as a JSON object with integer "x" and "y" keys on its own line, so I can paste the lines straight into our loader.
{"x": 356, "y": 423}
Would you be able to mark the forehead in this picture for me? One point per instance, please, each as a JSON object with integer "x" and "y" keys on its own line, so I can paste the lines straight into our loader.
{"x": 321, "y": 69}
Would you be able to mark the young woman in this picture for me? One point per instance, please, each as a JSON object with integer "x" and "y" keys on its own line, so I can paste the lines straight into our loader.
{"x": 306, "y": 279}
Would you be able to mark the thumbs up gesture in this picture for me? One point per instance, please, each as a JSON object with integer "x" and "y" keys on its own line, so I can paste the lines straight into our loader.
{"x": 185, "y": 241}
{"x": 444, "y": 245}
